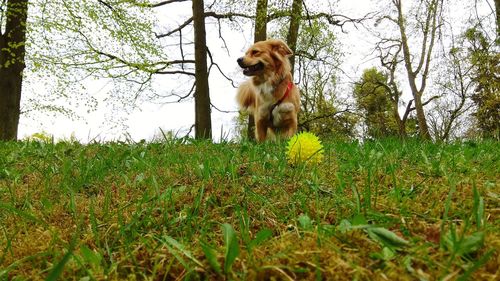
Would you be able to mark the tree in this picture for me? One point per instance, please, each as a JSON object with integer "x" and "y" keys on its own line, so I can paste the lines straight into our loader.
{"x": 447, "y": 117}
{"x": 389, "y": 51}
{"x": 13, "y": 13}
{"x": 497, "y": 12}
{"x": 78, "y": 46}
{"x": 203, "y": 123}
{"x": 260, "y": 34}
{"x": 324, "y": 111}
{"x": 127, "y": 52}
{"x": 390, "y": 62}
{"x": 485, "y": 60}
{"x": 373, "y": 97}
{"x": 293, "y": 31}
{"x": 417, "y": 72}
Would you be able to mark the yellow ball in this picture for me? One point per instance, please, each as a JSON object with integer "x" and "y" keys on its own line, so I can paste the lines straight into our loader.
{"x": 304, "y": 148}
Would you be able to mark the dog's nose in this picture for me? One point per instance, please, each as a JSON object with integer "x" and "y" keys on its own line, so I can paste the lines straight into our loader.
{"x": 240, "y": 61}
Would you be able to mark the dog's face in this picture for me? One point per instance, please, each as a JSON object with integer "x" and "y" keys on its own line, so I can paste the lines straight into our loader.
{"x": 265, "y": 57}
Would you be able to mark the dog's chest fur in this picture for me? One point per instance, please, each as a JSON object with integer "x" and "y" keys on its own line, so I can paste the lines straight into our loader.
{"x": 266, "y": 99}
{"x": 266, "y": 93}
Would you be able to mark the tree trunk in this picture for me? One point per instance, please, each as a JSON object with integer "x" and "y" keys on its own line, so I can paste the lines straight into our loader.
{"x": 260, "y": 34}
{"x": 423, "y": 128}
{"x": 203, "y": 122}
{"x": 12, "y": 53}
{"x": 429, "y": 33}
{"x": 393, "y": 88}
{"x": 293, "y": 31}
{"x": 497, "y": 9}
{"x": 399, "y": 121}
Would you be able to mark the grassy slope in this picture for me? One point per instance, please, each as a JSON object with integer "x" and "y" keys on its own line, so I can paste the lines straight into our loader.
{"x": 192, "y": 210}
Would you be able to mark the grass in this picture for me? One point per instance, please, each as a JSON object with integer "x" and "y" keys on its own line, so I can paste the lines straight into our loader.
{"x": 387, "y": 210}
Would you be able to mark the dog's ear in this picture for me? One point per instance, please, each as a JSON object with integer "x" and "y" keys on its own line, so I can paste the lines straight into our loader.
{"x": 281, "y": 47}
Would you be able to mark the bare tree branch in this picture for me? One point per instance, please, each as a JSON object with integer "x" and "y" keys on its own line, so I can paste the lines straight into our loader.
{"x": 107, "y": 5}
{"x": 229, "y": 16}
{"x": 163, "y": 3}
{"x": 175, "y": 72}
{"x": 333, "y": 19}
{"x": 223, "y": 111}
{"x": 323, "y": 116}
{"x": 178, "y": 29}
{"x": 430, "y": 100}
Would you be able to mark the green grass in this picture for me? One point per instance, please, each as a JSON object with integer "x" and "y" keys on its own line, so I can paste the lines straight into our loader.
{"x": 387, "y": 210}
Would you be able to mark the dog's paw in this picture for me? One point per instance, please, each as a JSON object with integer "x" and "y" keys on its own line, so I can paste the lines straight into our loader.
{"x": 280, "y": 111}
{"x": 285, "y": 107}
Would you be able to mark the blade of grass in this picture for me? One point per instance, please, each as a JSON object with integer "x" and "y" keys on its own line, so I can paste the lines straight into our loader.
{"x": 211, "y": 256}
{"x": 56, "y": 272}
{"x": 386, "y": 237}
{"x": 476, "y": 266}
{"x": 23, "y": 214}
{"x": 260, "y": 237}
{"x": 478, "y": 209}
{"x": 232, "y": 249}
{"x": 177, "y": 247}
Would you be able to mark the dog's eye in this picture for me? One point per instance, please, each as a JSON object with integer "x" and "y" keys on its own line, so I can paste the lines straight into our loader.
{"x": 255, "y": 52}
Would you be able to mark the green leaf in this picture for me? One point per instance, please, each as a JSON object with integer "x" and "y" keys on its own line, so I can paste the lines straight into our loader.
{"x": 476, "y": 265}
{"x": 90, "y": 256}
{"x": 478, "y": 208}
{"x": 176, "y": 247}
{"x": 466, "y": 245}
{"x": 260, "y": 237}
{"x": 305, "y": 222}
{"x": 386, "y": 254}
{"x": 58, "y": 269}
{"x": 232, "y": 248}
{"x": 386, "y": 237}
{"x": 344, "y": 226}
{"x": 211, "y": 256}
{"x": 23, "y": 214}
{"x": 359, "y": 220}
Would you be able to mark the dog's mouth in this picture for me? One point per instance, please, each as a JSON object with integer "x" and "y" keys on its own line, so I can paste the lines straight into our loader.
{"x": 253, "y": 69}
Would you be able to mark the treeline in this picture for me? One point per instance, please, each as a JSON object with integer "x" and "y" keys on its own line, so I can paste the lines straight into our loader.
{"x": 431, "y": 78}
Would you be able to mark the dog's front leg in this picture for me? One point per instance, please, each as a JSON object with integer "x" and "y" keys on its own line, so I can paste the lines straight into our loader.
{"x": 261, "y": 130}
{"x": 262, "y": 123}
{"x": 290, "y": 130}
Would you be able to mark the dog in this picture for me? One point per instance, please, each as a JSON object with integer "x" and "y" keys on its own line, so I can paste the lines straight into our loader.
{"x": 270, "y": 94}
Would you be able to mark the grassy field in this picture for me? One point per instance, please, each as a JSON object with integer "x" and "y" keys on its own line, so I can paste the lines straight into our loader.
{"x": 386, "y": 210}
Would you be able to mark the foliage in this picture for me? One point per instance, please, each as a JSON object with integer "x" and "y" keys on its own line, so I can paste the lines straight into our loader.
{"x": 318, "y": 56}
{"x": 450, "y": 115}
{"x": 485, "y": 59}
{"x": 88, "y": 54}
{"x": 418, "y": 29}
{"x": 74, "y": 43}
{"x": 373, "y": 100}
{"x": 198, "y": 210}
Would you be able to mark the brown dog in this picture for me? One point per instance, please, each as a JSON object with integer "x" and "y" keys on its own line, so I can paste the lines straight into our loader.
{"x": 270, "y": 95}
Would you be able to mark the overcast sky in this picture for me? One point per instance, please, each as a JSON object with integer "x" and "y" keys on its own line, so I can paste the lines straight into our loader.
{"x": 145, "y": 121}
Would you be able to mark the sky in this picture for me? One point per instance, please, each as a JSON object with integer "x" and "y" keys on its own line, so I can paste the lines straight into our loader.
{"x": 145, "y": 121}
